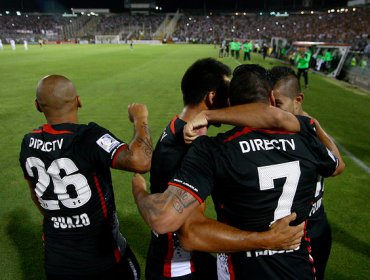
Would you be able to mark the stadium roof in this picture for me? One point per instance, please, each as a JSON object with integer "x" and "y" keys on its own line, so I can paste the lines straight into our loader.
{"x": 167, "y": 5}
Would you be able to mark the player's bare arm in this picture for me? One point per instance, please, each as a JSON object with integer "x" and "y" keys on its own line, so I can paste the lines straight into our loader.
{"x": 329, "y": 143}
{"x": 163, "y": 212}
{"x": 137, "y": 156}
{"x": 257, "y": 115}
{"x": 203, "y": 234}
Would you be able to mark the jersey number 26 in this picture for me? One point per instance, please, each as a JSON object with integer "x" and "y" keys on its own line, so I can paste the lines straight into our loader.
{"x": 62, "y": 186}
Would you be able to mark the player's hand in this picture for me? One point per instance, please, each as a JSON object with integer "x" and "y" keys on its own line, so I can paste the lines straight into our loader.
{"x": 137, "y": 111}
{"x": 138, "y": 184}
{"x": 283, "y": 236}
{"x": 196, "y": 127}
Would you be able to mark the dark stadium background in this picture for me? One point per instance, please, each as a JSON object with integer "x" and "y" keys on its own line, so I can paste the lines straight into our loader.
{"x": 168, "y": 5}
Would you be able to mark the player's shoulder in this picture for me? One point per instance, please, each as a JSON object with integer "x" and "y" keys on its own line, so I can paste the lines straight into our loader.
{"x": 307, "y": 125}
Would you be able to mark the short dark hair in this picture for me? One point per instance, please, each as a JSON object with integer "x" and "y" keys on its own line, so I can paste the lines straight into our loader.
{"x": 250, "y": 83}
{"x": 203, "y": 76}
{"x": 285, "y": 76}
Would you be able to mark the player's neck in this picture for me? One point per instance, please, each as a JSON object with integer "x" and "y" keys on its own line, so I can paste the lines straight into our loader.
{"x": 58, "y": 120}
{"x": 190, "y": 111}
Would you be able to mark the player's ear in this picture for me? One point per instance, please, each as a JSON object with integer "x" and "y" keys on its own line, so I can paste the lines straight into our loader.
{"x": 210, "y": 99}
{"x": 298, "y": 101}
{"x": 272, "y": 98}
{"x": 299, "y": 98}
{"x": 37, "y": 105}
{"x": 79, "y": 104}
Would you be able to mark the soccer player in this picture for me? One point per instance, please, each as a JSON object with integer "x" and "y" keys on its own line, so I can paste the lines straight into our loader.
{"x": 1, "y": 45}
{"x": 204, "y": 86}
{"x": 255, "y": 177}
{"x": 288, "y": 97}
{"x": 303, "y": 63}
{"x": 25, "y": 44}
{"x": 67, "y": 167}
{"x": 12, "y": 45}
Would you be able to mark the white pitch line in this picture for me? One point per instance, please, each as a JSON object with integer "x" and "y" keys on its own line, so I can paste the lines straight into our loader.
{"x": 359, "y": 162}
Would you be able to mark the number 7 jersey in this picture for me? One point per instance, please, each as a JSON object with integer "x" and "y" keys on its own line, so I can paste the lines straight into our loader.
{"x": 256, "y": 177}
{"x": 69, "y": 168}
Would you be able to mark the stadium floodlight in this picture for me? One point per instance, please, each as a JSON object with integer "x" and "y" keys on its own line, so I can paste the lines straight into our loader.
{"x": 302, "y": 12}
{"x": 258, "y": 29}
{"x": 18, "y": 13}
{"x": 260, "y": 14}
{"x": 354, "y": 9}
{"x": 328, "y": 11}
{"x": 311, "y": 12}
{"x": 332, "y": 10}
{"x": 7, "y": 12}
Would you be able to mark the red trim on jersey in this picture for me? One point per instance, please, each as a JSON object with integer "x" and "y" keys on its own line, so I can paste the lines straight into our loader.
{"x": 172, "y": 125}
{"x": 312, "y": 121}
{"x": 167, "y": 261}
{"x": 247, "y": 130}
{"x": 49, "y": 129}
{"x": 116, "y": 154}
{"x": 192, "y": 269}
{"x": 101, "y": 197}
{"x": 231, "y": 268}
{"x": 117, "y": 255}
{"x": 186, "y": 189}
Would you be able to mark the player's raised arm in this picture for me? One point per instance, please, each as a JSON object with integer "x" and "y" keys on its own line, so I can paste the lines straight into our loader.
{"x": 257, "y": 115}
{"x": 163, "y": 212}
{"x": 137, "y": 156}
{"x": 203, "y": 234}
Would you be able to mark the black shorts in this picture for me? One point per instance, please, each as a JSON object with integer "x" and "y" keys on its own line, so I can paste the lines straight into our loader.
{"x": 127, "y": 269}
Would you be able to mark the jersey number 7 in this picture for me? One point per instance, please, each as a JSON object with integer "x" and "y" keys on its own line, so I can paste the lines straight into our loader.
{"x": 289, "y": 170}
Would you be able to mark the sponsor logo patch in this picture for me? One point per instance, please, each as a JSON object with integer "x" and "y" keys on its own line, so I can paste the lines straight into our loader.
{"x": 107, "y": 142}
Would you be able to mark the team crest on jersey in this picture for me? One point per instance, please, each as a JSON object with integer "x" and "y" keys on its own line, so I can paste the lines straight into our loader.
{"x": 107, "y": 142}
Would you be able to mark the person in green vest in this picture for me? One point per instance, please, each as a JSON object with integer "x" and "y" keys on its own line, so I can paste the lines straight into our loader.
{"x": 238, "y": 47}
{"x": 328, "y": 59}
{"x": 303, "y": 62}
{"x": 232, "y": 47}
{"x": 247, "y": 49}
{"x": 353, "y": 61}
{"x": 363, "y": 63}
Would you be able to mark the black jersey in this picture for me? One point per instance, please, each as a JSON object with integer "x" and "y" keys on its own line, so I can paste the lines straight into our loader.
{"x": 165, "y": 256}
{"x": 69, "y": 165}
{"x": 317, "y": 221}
{"x": 256, "y": 177}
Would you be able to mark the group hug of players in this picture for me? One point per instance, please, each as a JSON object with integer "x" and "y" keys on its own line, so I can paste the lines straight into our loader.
{"x": 265, "y": 177}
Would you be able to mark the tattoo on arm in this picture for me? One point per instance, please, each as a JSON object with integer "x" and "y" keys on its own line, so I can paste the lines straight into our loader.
{"x": 147, "y": 141}
{"x": 181, "y": 199}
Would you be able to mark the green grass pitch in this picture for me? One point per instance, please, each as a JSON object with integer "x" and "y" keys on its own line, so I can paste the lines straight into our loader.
{"x": 108, "y": 78}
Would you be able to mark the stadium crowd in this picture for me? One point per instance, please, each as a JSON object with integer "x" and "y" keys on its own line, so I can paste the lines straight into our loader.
{"x": 349, "y": 26}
